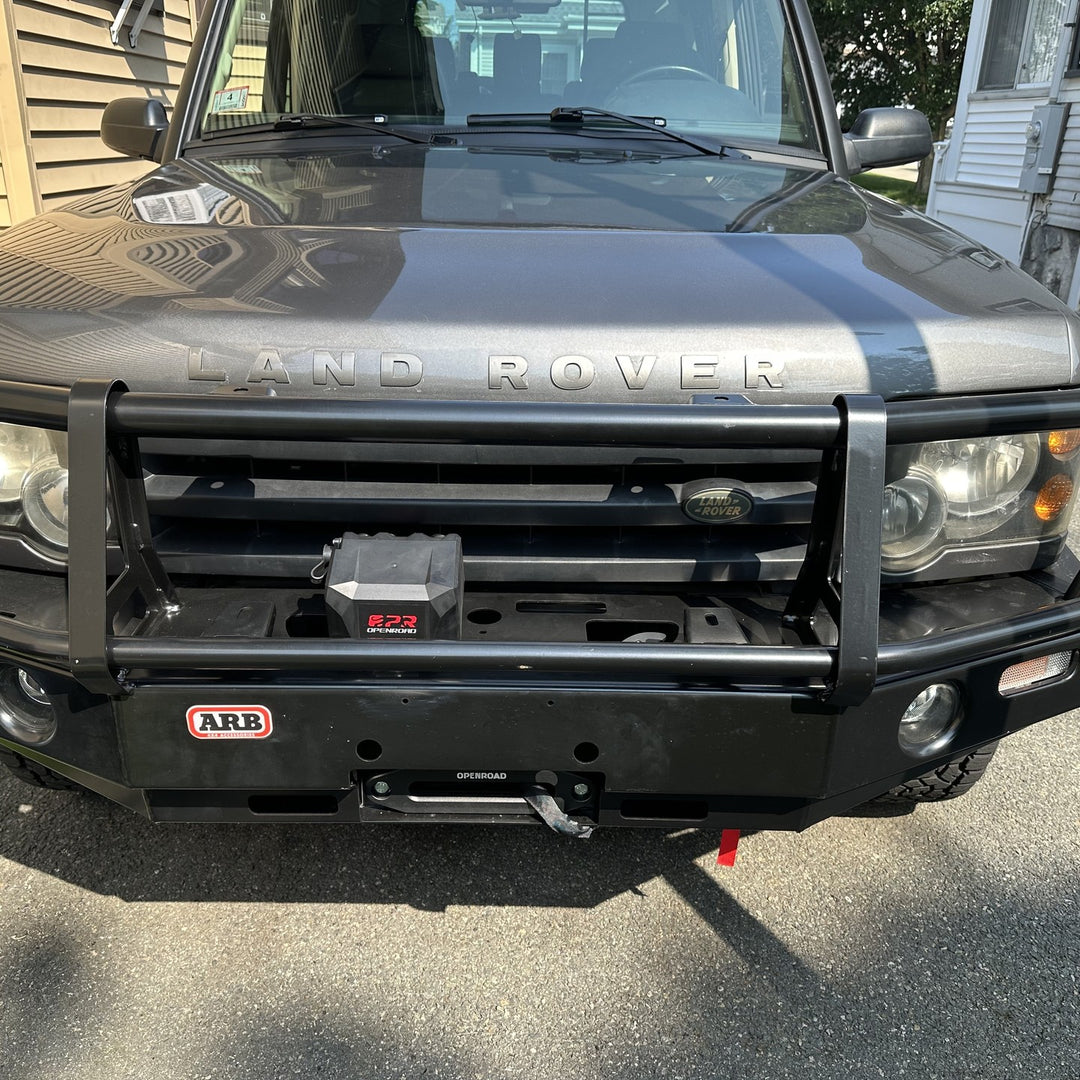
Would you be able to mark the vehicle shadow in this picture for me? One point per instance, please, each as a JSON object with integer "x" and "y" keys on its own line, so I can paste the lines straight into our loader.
{"x": 929, "y": 961}
{"x": 977, "y": 986}
{"x": 106, "y": 849}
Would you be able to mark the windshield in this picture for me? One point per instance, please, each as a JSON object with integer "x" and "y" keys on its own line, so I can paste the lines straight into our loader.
{"x": 718, "y": 68}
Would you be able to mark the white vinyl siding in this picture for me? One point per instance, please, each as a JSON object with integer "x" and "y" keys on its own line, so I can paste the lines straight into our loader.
{"x": 1063, "y": 209}
{"x": 994, "y": 218}
{"x": 1063, "y": 204}
{"x": 994, "y": 139}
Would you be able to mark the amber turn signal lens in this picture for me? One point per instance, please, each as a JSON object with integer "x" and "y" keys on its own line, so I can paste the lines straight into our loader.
{"x": 1053, "y": 497}
{"x": 1063, "y": 444}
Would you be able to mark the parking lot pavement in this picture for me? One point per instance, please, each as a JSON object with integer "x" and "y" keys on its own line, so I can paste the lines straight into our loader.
{"x": 943, "y": 943}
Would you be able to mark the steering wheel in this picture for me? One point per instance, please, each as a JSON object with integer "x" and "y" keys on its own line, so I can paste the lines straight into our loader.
{"x": 666, "y": 71}
{"x": 705, "y": 100}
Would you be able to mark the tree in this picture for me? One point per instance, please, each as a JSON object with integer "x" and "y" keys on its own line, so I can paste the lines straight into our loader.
{"x": 892, "y": 52}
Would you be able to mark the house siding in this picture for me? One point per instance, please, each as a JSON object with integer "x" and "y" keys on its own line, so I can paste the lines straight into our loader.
{"x": 994, "y": 142}
{"x": 1063, "y": 203}
{"x": 994, "y": 218}
{"x": 69, "y": 70}
{"x": 5, "y": 213}
{"x": 976, "y": 181}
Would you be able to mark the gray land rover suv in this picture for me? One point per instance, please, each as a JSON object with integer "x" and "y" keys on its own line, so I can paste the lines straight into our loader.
{"x": 511, "y": 411}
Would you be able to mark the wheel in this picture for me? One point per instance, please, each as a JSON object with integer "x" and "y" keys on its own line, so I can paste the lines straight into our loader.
{"x": 668, "y": 71}
{"x": 948, "y": 781}
{"x": 30, "y": 772}
{"x": 679, "y": 92}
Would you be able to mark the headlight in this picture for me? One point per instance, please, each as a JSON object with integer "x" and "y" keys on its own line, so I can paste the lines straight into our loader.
{"x": 982, "y": 476}
{"x": 45, "y": 502}
{"x": 991, "y": 491}
{"x": 914, "y": 514}
{"x": 20, "y": 448}
{"x": 33, "y": 486}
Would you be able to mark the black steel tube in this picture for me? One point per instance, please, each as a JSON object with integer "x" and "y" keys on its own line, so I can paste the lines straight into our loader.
{"x": 470, "y": 422}
{"x": 809, "y": 426}
{"x": 616, "y": 661}
{"x": 986, "y": 414}
{"x": 19, "y": 641}
{"x": 38, "y": 406}
{"x": 980, "y": 642}
{"x": 35, "y": 645}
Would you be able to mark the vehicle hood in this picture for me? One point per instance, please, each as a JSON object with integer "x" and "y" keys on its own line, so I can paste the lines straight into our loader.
{"x": 457, "y": 274}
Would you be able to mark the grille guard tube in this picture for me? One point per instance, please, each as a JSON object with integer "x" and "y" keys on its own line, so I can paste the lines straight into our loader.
{"x": 105, "y": 420}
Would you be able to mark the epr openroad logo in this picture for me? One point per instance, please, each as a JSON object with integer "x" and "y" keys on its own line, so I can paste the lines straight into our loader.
{"x": 229, "y": 721}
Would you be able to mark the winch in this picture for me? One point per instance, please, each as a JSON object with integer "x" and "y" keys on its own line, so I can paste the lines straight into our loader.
{"x": 387, "y": 587}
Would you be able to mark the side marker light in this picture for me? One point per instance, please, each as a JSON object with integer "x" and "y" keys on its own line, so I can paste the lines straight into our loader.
{"x": 1040, "y": 669}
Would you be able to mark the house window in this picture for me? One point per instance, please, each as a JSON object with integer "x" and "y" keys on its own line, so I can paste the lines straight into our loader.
{"x": 1072, "y": 68}
{"x": 554, "y": 72}
{"x": 1021, "y": 43}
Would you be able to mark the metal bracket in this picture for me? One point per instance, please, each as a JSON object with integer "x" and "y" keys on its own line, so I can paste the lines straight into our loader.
{"x": 100, "y": 465}
{"x": 842, "y": 569}
{"x": 87, "y": 534}
{"x": 145, "y": 9}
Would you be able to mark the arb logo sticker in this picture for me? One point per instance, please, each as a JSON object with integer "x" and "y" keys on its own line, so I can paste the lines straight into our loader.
{"x": 229, "y": 721}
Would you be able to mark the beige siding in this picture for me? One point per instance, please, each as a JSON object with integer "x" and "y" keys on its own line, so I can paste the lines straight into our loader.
{"x": 249, "y": 62}
{"x": 70, "y": 70}
{"x": 5, "y": 215}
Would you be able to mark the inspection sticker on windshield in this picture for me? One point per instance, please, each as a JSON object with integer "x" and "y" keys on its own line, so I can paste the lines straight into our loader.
{"x": 229, "y": 721}
{"x": 234, "y": 98}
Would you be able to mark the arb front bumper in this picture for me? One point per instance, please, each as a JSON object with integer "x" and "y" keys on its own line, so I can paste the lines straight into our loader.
{"x": 191, "y": 703}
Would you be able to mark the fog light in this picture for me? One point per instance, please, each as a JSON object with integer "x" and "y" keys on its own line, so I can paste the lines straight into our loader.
{"x": 25, "y": 712}
{"x": 32, "y": 688}
{"x": 930, "y": 720}
{"x": 1032, "y": 672}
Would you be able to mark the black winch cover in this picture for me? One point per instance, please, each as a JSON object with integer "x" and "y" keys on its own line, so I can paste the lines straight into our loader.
{"x": 395, "y": 587}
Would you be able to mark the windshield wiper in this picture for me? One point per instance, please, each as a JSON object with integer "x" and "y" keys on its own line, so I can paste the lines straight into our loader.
{"x": 299, "y": 120}
{"x": 295, "y": 121}
{"x": 589, "y": 155}
{"x": 577, "y": 114}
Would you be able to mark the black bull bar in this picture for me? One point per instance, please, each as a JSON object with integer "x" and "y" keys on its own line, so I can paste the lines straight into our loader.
{"x": 105, "y": 420}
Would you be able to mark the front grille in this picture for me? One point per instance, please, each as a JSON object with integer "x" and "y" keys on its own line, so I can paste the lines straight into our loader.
{"x": 820, "y": 636}
{"x": 617, "y": 522}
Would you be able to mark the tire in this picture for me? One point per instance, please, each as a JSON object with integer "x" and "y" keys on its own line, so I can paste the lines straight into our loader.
{"x": 948, "y": 781}
{"x": 30, "y": 772}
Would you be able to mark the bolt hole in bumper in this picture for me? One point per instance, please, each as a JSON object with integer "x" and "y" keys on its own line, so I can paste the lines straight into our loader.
{"x": 776, "y": 733}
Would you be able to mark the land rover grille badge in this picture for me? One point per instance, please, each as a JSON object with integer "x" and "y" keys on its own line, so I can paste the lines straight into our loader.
{"x": 717, "y": 504}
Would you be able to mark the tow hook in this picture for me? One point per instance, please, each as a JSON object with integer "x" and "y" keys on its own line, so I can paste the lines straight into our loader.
{"x": 548, "y": 811}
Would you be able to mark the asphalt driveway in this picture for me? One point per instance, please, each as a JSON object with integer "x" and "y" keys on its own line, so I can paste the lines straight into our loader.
{"x": 943, "y": 943}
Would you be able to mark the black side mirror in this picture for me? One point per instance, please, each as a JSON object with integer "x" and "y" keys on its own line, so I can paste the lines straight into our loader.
{"x": 883, "y": 137}
{"x": 134, "y": 127}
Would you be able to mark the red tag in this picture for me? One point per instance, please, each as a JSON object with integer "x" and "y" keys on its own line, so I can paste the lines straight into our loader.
{"x": 729, "y": 844}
